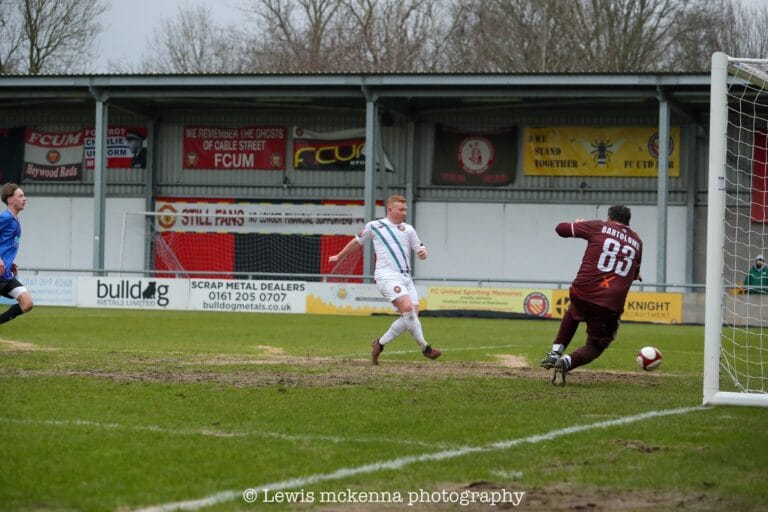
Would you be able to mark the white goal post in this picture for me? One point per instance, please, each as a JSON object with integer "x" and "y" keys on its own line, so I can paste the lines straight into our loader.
{"x": 736, "y": 324}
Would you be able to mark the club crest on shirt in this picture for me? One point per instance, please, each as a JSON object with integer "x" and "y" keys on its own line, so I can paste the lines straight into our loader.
{"x": 401, "y": 227}
{"x": 397, "y": 289}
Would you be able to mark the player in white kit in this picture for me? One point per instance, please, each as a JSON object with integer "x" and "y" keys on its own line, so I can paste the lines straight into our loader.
{"x": 393, "y": 241}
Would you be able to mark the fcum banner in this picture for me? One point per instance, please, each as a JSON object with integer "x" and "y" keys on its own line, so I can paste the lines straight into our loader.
{"x": 589, "y": 151}
{"x": 53, "y": 156}
{"x": 247, "y": 148}
{"x": 341, "y": 150}
{"x": 464, "y": 158}
{"x": 652, "y": 307}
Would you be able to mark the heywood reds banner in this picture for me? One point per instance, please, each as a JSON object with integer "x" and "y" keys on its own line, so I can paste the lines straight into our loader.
{"x": 247, "y": 148}
{"x": 474, "y": 159}
{"x": 53, "y": 156}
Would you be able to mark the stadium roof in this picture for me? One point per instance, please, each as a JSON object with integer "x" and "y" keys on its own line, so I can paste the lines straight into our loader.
{"x": 406, "y": 93}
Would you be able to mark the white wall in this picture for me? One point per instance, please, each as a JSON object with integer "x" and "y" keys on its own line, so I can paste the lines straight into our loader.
{"x": 518, "y": 241}
{"x": 465, "y": 240}
{"x": 57, "y": 232}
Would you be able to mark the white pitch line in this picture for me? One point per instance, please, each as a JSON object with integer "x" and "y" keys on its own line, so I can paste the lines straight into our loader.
{"x": 222, "y": 434}
{"x": 225, "y": 496}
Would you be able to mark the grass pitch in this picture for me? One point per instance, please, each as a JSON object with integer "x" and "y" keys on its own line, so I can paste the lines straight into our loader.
{"x": 125, "y": 410}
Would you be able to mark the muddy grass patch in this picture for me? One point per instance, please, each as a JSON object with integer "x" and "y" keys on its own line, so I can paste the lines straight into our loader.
{"x": 274, "y": 368}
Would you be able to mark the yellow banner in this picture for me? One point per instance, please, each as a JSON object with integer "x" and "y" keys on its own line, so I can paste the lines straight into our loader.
{"x": 509, "y": 300}
{"x": 587, "y": 151}
{"x": 662, "y": 308}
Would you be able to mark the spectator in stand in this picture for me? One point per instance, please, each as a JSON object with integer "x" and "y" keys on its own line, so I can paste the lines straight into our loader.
{"x": 756, "y": 280}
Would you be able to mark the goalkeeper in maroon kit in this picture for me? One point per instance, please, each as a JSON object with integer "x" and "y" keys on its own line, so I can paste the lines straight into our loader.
{"x": 610, "y": 264}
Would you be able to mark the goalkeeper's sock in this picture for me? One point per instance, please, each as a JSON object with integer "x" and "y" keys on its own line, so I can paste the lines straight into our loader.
{"x": 11, "y": 313}
{"x": 585, "y": 354}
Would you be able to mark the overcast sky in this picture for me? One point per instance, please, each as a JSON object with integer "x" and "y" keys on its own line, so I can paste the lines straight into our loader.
{"x": 128, "y": 26}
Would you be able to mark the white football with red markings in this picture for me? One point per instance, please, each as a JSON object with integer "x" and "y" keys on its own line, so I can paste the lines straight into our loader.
{"x": 649, "y": 358}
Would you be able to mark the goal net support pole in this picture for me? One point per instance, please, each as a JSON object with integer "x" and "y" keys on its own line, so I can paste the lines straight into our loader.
{"x": 744, "y": 393}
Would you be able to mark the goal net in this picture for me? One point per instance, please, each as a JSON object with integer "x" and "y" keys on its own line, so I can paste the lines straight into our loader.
{"x": 736, "y": 326}
{"x": 241, "y": 240}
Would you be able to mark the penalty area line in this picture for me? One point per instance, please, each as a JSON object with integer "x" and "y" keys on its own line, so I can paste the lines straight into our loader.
{"x": 225, "y": 496}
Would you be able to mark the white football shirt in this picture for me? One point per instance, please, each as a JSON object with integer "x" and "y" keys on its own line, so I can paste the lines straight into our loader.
{"x": 392, "y": 244}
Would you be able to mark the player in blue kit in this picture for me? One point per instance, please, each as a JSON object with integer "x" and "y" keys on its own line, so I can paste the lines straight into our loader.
{"x": 10, "y": 238}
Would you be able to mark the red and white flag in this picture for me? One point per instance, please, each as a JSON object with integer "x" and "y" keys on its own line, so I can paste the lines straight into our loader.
{"x": 53, "y": 156}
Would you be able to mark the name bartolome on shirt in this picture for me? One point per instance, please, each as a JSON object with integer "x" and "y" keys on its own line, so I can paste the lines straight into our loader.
{"x": 621, "y": 235}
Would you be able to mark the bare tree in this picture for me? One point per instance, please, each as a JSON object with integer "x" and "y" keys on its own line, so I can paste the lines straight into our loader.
{"x": 391, "y": 35}
{"x": 597, "y": 35}
{"x": 508, "y": 36}
{"x": 192, "y": 42}
{"x": 624, "y": 35}
{"x": 58, "y": 34}
{"x": 292, "y": 35}
{"x": 346, "y": 35}
{"x": 743, "y": 30}
{"x": 11, "y": 37}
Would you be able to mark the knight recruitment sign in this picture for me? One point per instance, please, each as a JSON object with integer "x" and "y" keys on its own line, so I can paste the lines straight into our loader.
{"x": 589, "y": 151}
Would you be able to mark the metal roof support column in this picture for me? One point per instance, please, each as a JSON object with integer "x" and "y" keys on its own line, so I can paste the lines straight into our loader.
{"x": 410, "y": 165}
{"x": 371, "y": 118}
{"x": 150, "y": 182}
{"x": 409, "y": 173}
{"x": 663, "y": 182}
{"x": 99, "y": 178}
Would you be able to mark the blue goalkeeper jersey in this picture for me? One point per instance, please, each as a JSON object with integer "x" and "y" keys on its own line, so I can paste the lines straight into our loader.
{"x": 10, "y": 237}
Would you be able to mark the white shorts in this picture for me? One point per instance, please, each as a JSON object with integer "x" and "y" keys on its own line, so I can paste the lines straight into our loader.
{"x": 394, "y": 286}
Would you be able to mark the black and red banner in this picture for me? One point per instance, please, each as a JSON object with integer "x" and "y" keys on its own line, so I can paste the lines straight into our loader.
{"x": 463, "y": 158}
{"x": 222, "y": 236}
{"x": 340, "y": 150}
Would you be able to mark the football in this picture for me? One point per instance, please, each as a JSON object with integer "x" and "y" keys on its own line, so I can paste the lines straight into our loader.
{"x": 649, "y": 358}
